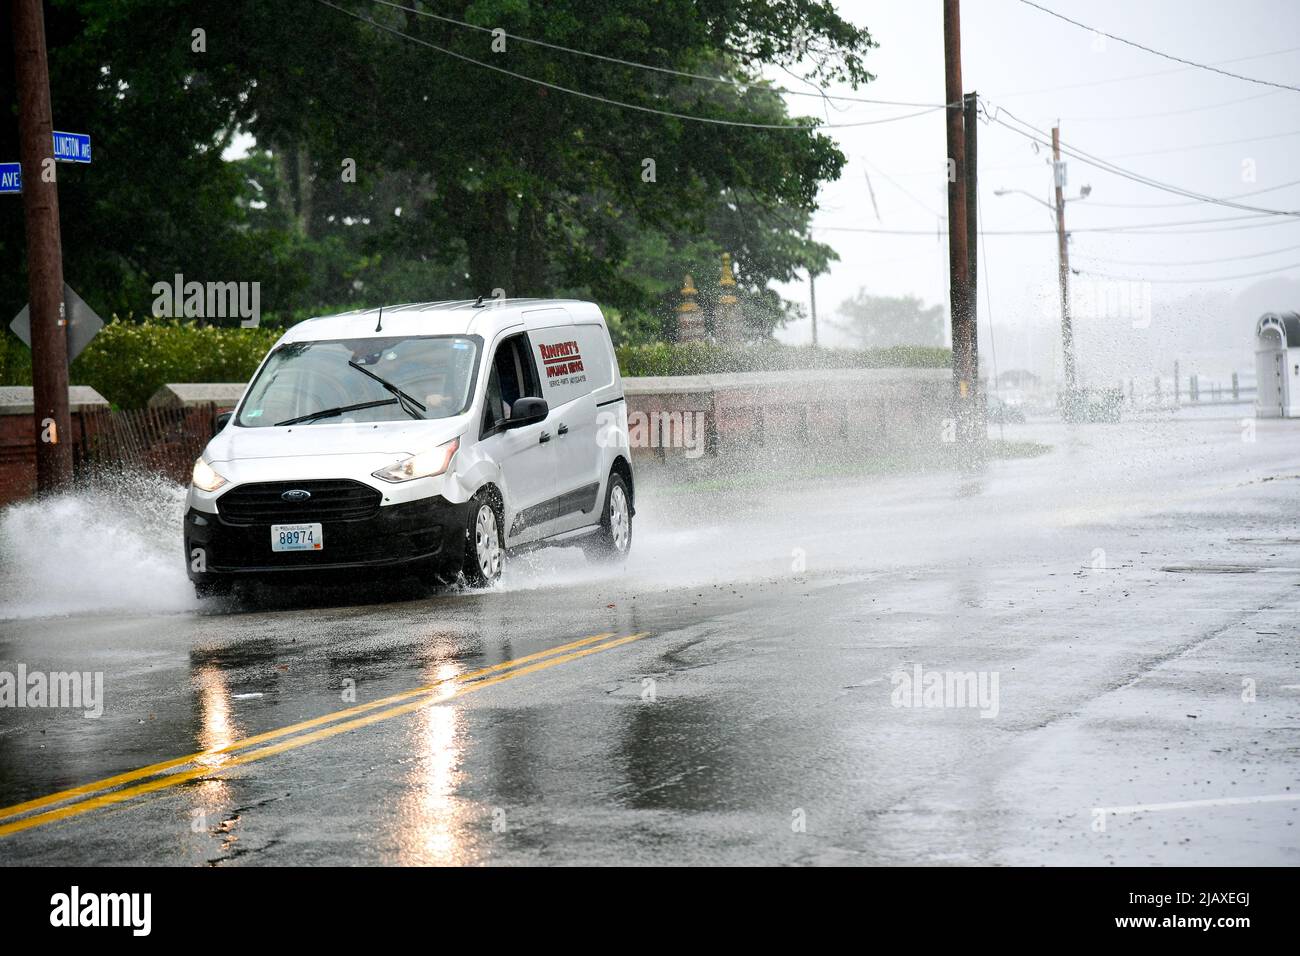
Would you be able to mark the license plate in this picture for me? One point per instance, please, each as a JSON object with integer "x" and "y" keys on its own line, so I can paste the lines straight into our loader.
{"x": 296, "y": 537}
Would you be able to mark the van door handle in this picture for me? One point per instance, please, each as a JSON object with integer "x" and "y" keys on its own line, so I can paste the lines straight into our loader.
{"x": 543, "y": 438}
{"x": 563, "y": 429}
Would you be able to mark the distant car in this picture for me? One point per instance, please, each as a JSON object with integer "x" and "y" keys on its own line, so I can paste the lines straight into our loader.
{"x": 1093, "y": 405}
{"x": 1000, "y": 413}
{"x": 424, "y": 440}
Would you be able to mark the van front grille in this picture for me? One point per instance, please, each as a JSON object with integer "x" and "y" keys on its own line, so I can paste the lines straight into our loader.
{"x": 264, "y": 502}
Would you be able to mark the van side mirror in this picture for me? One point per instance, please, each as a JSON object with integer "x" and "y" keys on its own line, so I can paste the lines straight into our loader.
{"x": 527, "y": 411}
{"x": 223, "y": 419}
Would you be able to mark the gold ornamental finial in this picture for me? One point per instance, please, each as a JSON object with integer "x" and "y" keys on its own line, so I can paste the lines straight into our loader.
{"x": 728, "y": 282}
{"x": 728, "y": 277}
{"x": 688, "y": 296}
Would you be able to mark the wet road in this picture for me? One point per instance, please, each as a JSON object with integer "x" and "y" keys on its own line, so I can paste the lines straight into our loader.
{"x": 1125, "y": 606}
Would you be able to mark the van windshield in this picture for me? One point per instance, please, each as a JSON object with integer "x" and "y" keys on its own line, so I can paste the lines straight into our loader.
{"x": 326, "y": 382}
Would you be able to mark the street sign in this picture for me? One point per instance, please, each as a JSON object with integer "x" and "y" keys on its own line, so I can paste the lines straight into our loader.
{"x": 72, "y": 147}
{"x": 83, "y": 323}
{"x": 68, "y": 148}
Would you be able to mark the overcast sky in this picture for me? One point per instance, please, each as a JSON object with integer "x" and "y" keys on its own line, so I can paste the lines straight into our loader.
{"x": 1108, "y": 103}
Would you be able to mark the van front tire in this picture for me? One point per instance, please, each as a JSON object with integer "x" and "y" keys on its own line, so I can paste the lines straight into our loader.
{"x": 484, "y": 547}
{"x": 204, "y": 590}
{"x": 614, "y": 539}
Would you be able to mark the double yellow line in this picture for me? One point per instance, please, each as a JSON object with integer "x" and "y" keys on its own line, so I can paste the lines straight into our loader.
{"x": 102, "y": 793}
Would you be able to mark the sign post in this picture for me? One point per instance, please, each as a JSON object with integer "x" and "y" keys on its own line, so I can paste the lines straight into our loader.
{"x": 51, "y": 420}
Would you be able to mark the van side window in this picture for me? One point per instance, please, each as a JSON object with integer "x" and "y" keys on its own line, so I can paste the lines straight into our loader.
{"x": 513, "y": 377}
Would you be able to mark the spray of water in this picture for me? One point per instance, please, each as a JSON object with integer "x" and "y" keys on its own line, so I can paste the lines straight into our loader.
{"x": 112, "y": 545}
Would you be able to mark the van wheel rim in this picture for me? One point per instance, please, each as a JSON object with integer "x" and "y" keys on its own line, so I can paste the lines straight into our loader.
{"x": 487, "y": 543}
{"x": 620, "y": 522}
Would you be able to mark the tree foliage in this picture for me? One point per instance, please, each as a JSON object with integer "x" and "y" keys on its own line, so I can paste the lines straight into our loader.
{"x": 467, "y": 178}
{"x": 883, "y": 321}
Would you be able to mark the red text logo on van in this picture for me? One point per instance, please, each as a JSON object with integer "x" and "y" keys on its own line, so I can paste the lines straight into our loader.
{"x": 560, "y": 359}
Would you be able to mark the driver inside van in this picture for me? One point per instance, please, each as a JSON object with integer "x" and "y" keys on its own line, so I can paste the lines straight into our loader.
{"x": 426, "y": 379}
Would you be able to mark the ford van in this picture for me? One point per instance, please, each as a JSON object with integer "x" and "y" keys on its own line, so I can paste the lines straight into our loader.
{"x": 425, "y": 440}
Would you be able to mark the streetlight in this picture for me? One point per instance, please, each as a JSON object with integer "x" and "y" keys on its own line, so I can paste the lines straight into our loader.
{"x": 1084, "y": 193}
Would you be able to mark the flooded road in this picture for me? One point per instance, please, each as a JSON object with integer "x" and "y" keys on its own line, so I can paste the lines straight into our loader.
{"x": 1088, "y": 657}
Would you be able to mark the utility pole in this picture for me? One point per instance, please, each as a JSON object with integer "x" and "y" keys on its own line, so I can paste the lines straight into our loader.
{"x": 51, "y": 419}
{"x": 964, "y": 368}
{"x": 1063, "y": 274}
{"x": 970, "y": 109}
{"x": 812, "y": 300}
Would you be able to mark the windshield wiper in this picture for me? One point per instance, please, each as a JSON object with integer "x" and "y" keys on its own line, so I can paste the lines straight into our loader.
{"x": 340, "y": 410}
{"x": 405, "y": 400}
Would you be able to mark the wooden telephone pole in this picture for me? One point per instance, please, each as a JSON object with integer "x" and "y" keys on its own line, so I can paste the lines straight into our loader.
{"x": 1063, "y": 274}
{"x": 51, "y": 419}
{"x": 961, "y": 122}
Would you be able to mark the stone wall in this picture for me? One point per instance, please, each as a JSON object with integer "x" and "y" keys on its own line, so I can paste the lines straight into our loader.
{"x": 18, "y": 435}
{"x": 693, "y": 415}
{"x": 670, "y": 418}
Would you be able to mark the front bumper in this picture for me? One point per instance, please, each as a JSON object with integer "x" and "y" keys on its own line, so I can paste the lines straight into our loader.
{"x": 423, "y": 535}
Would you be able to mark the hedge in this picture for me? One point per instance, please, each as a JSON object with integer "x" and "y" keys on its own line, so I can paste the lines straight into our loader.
{"x": 700, "y": 358}
{"x": 128, "y": 361}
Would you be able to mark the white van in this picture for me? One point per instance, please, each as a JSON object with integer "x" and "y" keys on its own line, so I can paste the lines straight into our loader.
{"x": 424, "y": 439}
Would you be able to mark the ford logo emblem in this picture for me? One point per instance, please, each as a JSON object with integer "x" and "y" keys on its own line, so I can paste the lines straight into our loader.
{"x": 296, "y": 494}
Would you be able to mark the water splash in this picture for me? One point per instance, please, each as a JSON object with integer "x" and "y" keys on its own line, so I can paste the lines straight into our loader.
{"x": 111, "y": 545}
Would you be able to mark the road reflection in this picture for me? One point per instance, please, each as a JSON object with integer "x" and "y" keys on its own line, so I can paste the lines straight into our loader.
{"x": 432, "y": 820}
{"x": 217, "y": 728}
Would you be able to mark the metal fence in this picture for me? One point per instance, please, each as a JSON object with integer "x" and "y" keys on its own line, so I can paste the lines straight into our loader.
{"x": 155, "y": 440}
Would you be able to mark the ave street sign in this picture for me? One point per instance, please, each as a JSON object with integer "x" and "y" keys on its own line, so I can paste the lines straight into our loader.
{"x": 72, "y": 147}
{"x": 68, "y": 148}
{"x": 83, "y": 323}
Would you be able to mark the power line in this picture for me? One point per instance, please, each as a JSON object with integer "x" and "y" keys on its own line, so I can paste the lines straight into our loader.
{"x": 1194, "y": 202}
{"x": 1149, "y": 152}
{"x": 1146, "y": 229}
{"x": 1167, "y": 56}
{"x": 1223, "y": 142}
{"x": 820, "y": 92}
{"x": 619, "y": 103}
{"x": 1110, "y": 167}
{"x": 904, "y": 190}
{"x": 1191, "y": 262}
{"x": 1198, "y": 280}
{"x": 1142, "y": 76}
{"x": 1176, "y": 222}
{"x": 1161, "y": 114}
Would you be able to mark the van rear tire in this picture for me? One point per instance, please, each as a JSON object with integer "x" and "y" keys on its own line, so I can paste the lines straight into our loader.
{"x": 484, "y": 546}
{"x": 614, "y": 539}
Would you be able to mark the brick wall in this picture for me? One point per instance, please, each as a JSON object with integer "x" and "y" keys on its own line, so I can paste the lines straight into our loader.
{"x": 687, "y": 416}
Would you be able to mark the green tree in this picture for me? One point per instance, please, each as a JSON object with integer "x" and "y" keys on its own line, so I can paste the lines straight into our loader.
{"x": 466, "y": 179}
{"x": 873, "y": 321}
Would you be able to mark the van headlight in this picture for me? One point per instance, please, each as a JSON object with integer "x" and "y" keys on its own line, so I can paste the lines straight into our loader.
{"x": 426, "y": 464}
{"x": 205, "y": 477}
